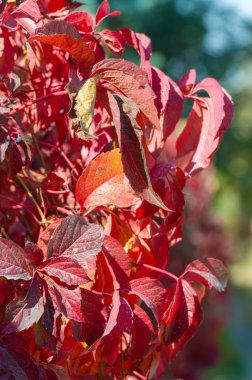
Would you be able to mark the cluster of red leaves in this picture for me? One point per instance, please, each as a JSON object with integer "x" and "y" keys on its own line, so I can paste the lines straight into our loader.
{"x": 93, "y": 162}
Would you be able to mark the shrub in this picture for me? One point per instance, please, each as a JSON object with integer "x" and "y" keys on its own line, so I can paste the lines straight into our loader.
{"x": 94, "y": 160}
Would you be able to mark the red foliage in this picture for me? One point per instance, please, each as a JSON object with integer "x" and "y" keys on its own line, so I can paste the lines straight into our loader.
{"x": 91, "y": 198}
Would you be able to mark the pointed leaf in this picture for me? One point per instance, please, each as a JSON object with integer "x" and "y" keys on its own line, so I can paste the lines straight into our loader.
{"x": 103, "y": 183}
{"x": 208, "y": 120}
{"x": 75, "y": 238}
{"x": 82, "y": 95}
{"x": 142, "y": 332}
{"x": 131, "y": 81}
{"x": 29, "y": 311}
{"x": 130, "y": 136}
{"x": 104, "y": 12}
{"x": 66, "y": 37}
{"x": 120, "y": 319}
{"x": 209, "y": 271}
{"x": 66, "y": 270}
{"x": 13, "y": 265}
{"x": 66, "y": 301}
{"x": 151, "y": 292}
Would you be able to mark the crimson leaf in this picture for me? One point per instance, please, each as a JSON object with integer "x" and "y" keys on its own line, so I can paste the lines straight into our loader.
{"x": 28, "y": 311}
{"x": 13, "y": 265}
{"x": 151, "y": 292}
{"x": 75, "y": 238}
{"x": 65, "y": 300}
{"x": 66, "y": 270}
{"x": 130, "y": 137}
{"x": 209, "y": 271}
{"x": 66, "y": 37}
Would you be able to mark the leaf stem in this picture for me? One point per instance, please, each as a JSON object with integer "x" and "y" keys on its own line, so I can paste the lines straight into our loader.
{"x": 139, "y": 375}
{"x": 30, "y": 195}
{"x": 18, "y": 207}
{"x": 164, "y": 272}
{"x": 63, "y": 154}
{"x": 31, "y": 102}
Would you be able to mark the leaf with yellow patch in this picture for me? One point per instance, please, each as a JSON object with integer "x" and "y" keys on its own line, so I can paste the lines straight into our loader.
{"x": 82, "y": 95}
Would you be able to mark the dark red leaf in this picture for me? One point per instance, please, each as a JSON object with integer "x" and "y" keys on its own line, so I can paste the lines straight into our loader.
{"x": 183, "y": 317}
{"x": 34, "y": 254}
{"x": 94, "y": 325}
{"x": 13, "y": 264}
{"x": 130, "y": 138}
{"x": 9, "y": 365}
{"x": 120, "y": 319}
{"x": 65, "y": 300}
{"x": 152, "y": 293}
{"x": 142, "y": 332}
{"x": 76, "y": 239}
{"x": 131, "y": 81}
{"x": 66, "y": 270}
{"x": 27, "y": 312}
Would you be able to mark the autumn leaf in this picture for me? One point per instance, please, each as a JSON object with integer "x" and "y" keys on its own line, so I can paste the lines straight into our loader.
{"x": 65, "y": 270}
{"x": 13, "y": 264}
{"x": 104, "y": 12}
{"x": 209, "y": 271}
{"x": 75, "y": 238}
{"x": 24, "y": 313}
{"x": 130, "y": 137}
{"x": 66, "y": 37}
{"x": 82, "y": 95}
{"x": 103, "y": 182}
{"x": 130, "y": 81}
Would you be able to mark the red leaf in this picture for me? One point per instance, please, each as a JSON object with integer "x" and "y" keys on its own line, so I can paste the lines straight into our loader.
{"x": 81, "y": 20}
{"x": 209, "y": 271}
{"x": 117, "y": 261}
{"x": 151, "y": 292}
{"x": 27, "y": 15}
{"x": 207, "y": 122}
{"x": 140, "y": 42}
{"x": 131, "y": 81}
{"x": 66, "y": 301}
{"x": 104, "y": 12}
{"x": 94, "y": 325}
{"x": 66, "y": 37}
{"x": 34, "y": 254}
{"x": 27, "y": 312}
{"x": 64, "y": 269}
{"x": 169, "y": 101}
{"x": 10, "y": 367}
{"x": 187, "y": 82}
{"x": 130, "y": 137}
{"x": 113, "y": 40}
{"x": 13, "y": 265}
{"x": 183, "y": 317}
{"x": 102, "y": 181}
{"x": 142, "y": 332}
{"x": 76, "y": 239}
{"x": 120, "y": 319}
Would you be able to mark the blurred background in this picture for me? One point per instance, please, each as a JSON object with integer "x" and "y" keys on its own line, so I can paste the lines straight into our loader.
{"x": 215, "y": 37}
